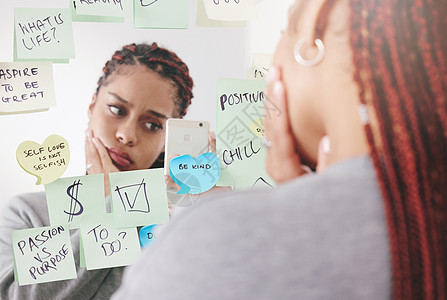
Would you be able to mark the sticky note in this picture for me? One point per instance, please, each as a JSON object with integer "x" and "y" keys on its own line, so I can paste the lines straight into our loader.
{"x": 139, "y": 197}
{"x": 240, "y": 114}
{"x": 43, "y": 254}
{"x": 26, "y": 87}
{"x": 71, "y": 199}
{"x": 161, "y": 13}
{"x": 109, "y": 8}
{"x": 260, "y": 66}
{"x": 106, "y": 246}
{"x": 147, "y": 235}
{"x": 43, "y": 33}
{"x": 47, "y": 161}
{"x": 230, "y": 10}
{"x": 77, "y": 17}
{"x": 195, "y": 175}
{"x": 202, "y": 19}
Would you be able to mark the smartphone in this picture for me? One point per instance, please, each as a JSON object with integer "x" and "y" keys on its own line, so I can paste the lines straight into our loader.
{"x": 185, "y": 137}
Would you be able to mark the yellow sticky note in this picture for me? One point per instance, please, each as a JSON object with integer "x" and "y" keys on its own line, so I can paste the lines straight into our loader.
{"x": 26, "y": 87}
{"x": 202, "y": 19}
{"x": 230, "y": 10}
{"x": 260, "y": 66}
{"x": 47, "y": 161}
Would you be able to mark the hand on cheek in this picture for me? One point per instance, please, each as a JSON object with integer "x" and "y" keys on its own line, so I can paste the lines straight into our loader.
{"x": 97, "y": 159}
{"x": 282, "y": 162}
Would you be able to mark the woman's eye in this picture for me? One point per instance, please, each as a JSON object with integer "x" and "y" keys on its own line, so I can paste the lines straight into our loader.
{"x": 116, "y": 110}
{"x": 153, "y": 126}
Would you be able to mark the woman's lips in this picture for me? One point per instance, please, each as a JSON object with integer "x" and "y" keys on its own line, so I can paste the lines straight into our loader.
{"x": 120, "y": 158}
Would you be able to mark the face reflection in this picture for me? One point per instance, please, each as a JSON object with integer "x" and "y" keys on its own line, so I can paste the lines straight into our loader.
{"x": 129, "y": 113}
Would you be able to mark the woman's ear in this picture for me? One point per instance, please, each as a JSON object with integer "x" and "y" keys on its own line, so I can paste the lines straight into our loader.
{"x": 92, "y": 104}
{"x": 308, "y": 20}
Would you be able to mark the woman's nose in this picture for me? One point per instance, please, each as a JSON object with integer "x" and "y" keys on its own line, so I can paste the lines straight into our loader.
{"x": 126, "y": 133}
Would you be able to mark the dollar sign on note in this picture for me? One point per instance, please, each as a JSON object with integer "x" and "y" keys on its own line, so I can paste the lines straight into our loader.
{"x": 76, "y": 207}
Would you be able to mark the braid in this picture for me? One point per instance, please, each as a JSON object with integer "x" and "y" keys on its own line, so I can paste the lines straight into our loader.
{"x": 166, "y": 63}
{"x": 399, "y": 51}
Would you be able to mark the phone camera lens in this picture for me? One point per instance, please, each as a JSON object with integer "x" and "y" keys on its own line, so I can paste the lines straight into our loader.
{"x": 200, "y": 124}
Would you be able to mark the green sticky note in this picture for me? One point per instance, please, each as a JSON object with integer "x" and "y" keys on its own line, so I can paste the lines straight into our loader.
{"x": 53, "y": 60}
{"x": 43, "y": 254}
{"x": 230, "y": 10}
{"x": 202, "y": 19}
{"x": 161, "y": 13}
{"x": 26, "y": 87}
{"x": 71, "y": 199}
{"x": 239, "y": 131}
{"x": 139, "y": 197}
{"x": 76, "y": 17}
{"x": 106, "y": 246}
{"x": 111, "y": 8}
{"x": 43, "y": 33}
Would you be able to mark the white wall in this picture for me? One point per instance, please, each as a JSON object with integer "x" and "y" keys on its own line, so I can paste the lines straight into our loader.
{"x": 210, "y": 53}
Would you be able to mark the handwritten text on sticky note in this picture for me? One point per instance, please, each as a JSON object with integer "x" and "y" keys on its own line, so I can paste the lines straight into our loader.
{"x": 43, "y": 33}
{"x": 139, "y": 197}
{"x": 26, "y": 86}
{"x": 195, "y": 175}
{"x": 111, "y": 8}
{"x": 106, "y": 246}
{"x": 71, "y": 199}
{"x": 239, "y": 129}
{"x": 47, "y": 161}
{"x": 43, "y": 254}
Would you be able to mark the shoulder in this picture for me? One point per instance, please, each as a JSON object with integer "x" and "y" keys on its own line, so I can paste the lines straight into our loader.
{"x": 324, "y": 230}
{"x": 28, "y": 210}
{"x": 349, "y": 188}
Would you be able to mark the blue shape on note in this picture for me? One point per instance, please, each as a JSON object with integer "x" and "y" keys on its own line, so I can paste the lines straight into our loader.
{"x": 146, "y": 235}
{"x": 195, "y": 175}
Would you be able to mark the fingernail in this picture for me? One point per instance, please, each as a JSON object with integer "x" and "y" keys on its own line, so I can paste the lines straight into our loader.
{"x": 326, "y": 144}
{"x": 273, "y": 74}
{"x": 213, "y": 135}
{"x": 277, "y": 88}
{"x": 95, "y": 141}
{"x": 88, "y": 133}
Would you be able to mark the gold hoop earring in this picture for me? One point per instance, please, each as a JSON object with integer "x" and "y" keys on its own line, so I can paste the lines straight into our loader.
{"x": 309, "y": 62}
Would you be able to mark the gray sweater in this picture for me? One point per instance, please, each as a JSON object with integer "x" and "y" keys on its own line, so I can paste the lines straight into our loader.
{"x": 318, "y": 237}
{"x": 28, "y": 211}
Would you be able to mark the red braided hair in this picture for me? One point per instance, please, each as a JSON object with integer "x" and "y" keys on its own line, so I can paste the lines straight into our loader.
{"x": 166, "y": 63}
{"x": 399, "y": 53}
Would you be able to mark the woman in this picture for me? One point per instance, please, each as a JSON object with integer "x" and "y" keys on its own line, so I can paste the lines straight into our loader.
{"x": 372, "y": 76}
{"x": 141, "y": 86}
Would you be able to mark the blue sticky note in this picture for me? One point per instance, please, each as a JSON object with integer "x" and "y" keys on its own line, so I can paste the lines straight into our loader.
{"x": 146, "y": 235}
{"x": 195, "y": 175}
